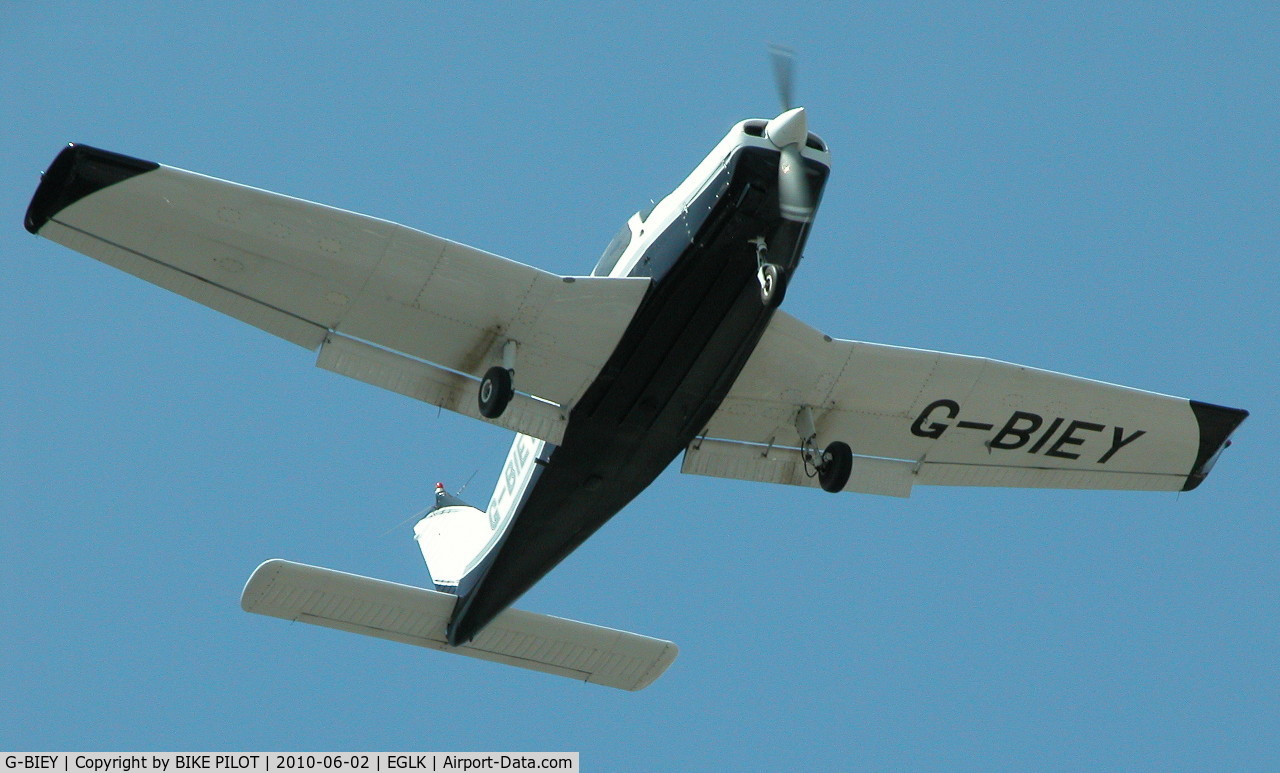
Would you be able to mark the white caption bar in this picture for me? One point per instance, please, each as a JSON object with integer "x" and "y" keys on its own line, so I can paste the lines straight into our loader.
{"x": 283, "y": 762}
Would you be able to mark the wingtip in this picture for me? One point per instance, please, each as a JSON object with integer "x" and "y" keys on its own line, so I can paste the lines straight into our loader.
{"x": 78, "y": 171}
{"x": 259, "y": 582}
{"x": 659, "y": 667}
{"x": 1216, "y": 422}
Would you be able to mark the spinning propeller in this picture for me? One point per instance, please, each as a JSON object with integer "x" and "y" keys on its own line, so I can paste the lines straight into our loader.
{"x": 784, "y": 64}
{"x": 789, "y": 132}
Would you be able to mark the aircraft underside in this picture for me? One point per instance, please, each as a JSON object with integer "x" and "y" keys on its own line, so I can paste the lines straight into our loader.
{"x": 677, "y": 360}
{"x": 674, "y": 343}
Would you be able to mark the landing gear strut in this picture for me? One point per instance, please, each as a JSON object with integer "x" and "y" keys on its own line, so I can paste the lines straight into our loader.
{"x": 770, "y": 275}
{"x": 833, "y": 465}
{"x": 497, "y": 387}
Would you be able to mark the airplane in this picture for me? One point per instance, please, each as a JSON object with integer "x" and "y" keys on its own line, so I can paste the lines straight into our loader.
{"x": 673, "y": 344}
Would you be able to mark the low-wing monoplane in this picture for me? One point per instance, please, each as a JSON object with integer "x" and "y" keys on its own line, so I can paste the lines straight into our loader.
{"x": 673, "y": 344}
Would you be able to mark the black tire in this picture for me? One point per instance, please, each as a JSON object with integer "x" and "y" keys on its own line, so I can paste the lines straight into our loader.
{"x": 495, "y": 392}
{"x": 836, "y": 466}
{"x": 773, "y": 288}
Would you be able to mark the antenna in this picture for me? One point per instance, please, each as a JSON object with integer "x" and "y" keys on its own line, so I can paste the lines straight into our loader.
{"x": 468, "y": 483}
{"x": 415, "y": 517}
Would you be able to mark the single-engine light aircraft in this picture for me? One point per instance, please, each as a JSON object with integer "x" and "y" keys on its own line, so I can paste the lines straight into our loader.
{"x": 673, "y": 344}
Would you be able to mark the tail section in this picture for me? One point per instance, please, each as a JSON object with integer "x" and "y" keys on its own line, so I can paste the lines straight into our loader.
{"x": 453, "y": 538}
{"x": 459, "y": 542}
{"x": 388, "y": 610}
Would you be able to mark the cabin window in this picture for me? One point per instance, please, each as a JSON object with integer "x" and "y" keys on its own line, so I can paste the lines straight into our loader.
{"x": 614, "y": 251}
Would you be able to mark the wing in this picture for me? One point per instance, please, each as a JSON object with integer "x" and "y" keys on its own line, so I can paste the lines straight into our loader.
{"x": 921, "y": 417}
{"x": 388, "y": 610}
{"x": 390, "y": 305}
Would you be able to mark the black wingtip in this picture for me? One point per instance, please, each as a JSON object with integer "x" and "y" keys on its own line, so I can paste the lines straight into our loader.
{"x": 1216, "y": 425}
{"x": 78, "y": 171}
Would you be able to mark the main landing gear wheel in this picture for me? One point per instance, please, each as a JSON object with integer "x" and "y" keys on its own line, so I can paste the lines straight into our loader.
{"x": 495, "y": 392}
{"x": 772, "y": 286}
{"x": 837, "y": 464}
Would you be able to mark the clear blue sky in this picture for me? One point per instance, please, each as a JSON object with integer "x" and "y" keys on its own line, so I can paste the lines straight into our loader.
{"x": 1092, "y": 190}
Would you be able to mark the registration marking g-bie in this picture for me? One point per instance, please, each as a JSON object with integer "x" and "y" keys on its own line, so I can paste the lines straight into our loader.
{"x": 1020, "y": 428}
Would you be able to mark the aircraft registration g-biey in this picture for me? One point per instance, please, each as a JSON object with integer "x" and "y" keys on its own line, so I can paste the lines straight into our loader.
{"x": 673, "y": 344}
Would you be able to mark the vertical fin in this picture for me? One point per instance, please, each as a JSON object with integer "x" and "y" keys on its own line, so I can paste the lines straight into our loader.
{"x": 458, "y": 540}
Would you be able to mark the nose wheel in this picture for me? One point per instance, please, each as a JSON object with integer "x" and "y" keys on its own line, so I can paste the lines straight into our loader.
{"x": 770, "y": 275}
{"x": 772, "y": 288}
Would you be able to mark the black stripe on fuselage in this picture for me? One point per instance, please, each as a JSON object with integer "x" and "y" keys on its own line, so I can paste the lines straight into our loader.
{"x": 675, "y": 363}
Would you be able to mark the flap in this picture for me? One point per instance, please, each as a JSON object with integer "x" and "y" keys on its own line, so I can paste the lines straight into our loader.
{"x": 438, "y": 386}
{"x": 778, "y": 464}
